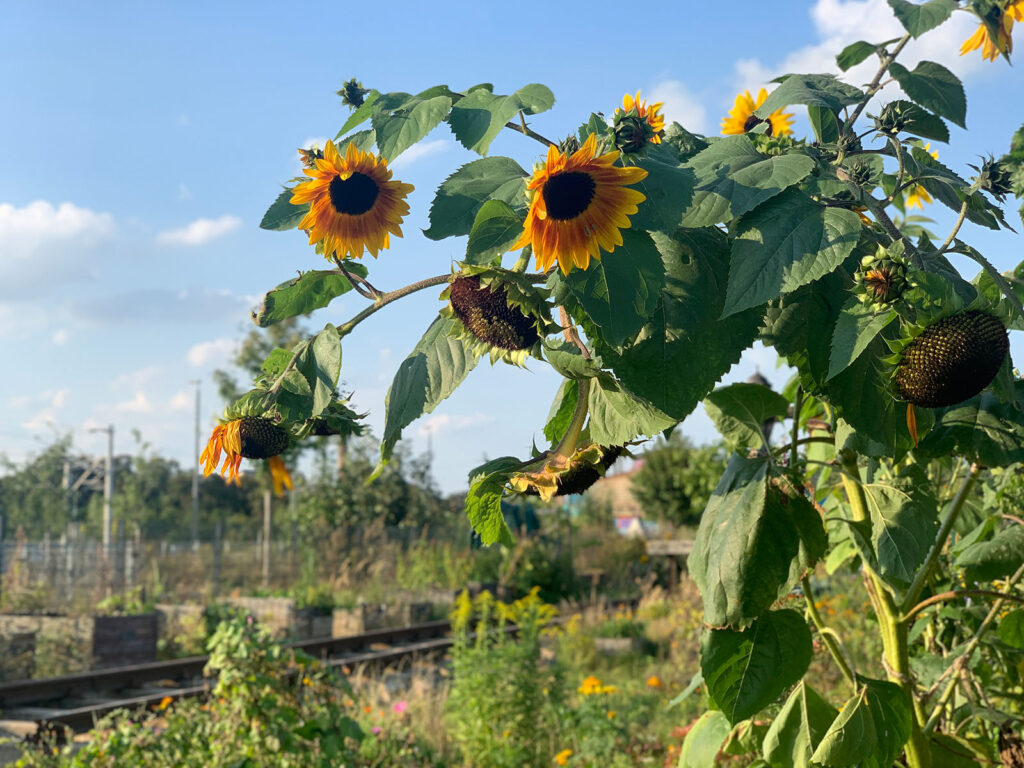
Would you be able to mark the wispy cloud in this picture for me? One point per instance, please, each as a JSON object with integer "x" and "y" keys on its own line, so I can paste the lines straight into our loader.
{"x": 216, "y": 352}
{"x": 199, "y": 232}
{"x": 422, "y": 151}
{"x": 159, "y": 305}
{"x": 679, "y": 105}
{"x": 443, "y": 422}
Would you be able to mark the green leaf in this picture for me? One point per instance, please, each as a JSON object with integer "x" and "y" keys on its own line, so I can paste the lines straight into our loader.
{"x": 282, "y": 215}
{"x": 984, "y": 429}
{"x": 934, "y": 87}
{"x": 1011, "y": 629}
{"x": 483, "y": 501}
{"x": 668, "y": 188}
{"x": 918, "y": 19}
{"x": 415, "y": 118}
{"x": 854, "y": 54}
{"x": 817, "y": 90}
{"x": 740, "y": 577}
{"x": 684, "y": 349}
{"x": 870, "y": 730}
{"x": 785, "y": 243}
{"x": 561, "y": 412}
{"x": 360, "y": 114}
{"x": 856, "y": 328}
{"x": 363, "y": 140}
{"x": 921, "y": 122}
{"x": 434, "y": 369}
{"x": 732, "y": 178}
{"x": 479, "y": 116}
{"x": 798, "y": 729}
{"x": 739, "y": 412}
{"x": 569, "y": 362}
{"x": 746, "y": 671}
{"x": 993, "y": 558}
{"x": 462, "y": 194}
{"x": 320, "y": 363}
{"x": 495, "y": 228}
{"x": 824, "y": 123}
{"x": 904, "y": 525}
{"x": 705, "y": 739}
{"x": 620, "y": 290}
{"x": 301, "y": 295}
{"x": 956, "y": 752}
{"x": 617, "y": 416}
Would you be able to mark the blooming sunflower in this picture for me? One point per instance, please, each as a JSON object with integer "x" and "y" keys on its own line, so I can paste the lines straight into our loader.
{"x": 354, "y": 202}
{"x": 918, "y": 196}
{"x": 982, "y": 38}
{"x": 250, "y": 437}
{"x": 650, "y": 113}
{"x": 579, "y": 203}
{"x": 742, "y": 118}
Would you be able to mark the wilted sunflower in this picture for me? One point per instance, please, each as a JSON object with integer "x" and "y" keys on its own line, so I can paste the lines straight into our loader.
{"x": 249, "y": 437}
{"x": 982, "y": 38}
{"x": 579, "y": 203}
{"x": 742, "y": 118}
{"x": 355, "y": 204}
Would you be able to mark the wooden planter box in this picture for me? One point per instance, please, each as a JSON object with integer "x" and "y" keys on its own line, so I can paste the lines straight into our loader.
{"x": 17, "y": 656}
{"x": 97, "y": 641}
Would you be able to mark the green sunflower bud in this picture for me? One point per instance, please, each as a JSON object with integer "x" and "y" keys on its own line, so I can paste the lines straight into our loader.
{"x": 632, "y": 132}
{"x": 353, "y": 94}
{"x": 487, "y": 314}
{"x": 261, "y": 437}
{"x": 892, "y": 119}
{"x": 995, "y": 178}
{"x": 881, "y": 278}
{"x": 954, "y": 359}
{"x": 569, "y": 145}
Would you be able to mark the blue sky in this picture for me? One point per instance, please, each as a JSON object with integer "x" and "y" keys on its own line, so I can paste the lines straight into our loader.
{"x": 142, "y": 142}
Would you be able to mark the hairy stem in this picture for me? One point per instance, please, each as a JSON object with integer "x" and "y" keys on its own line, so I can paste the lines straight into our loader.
{"x": 875, "y": 86}
{"x": 279, "y": 381}
{"x": 924, "y": 572}
{"x": 567, "y": 444}
{"x": 956, "y": 229}
{"x": 384, "y": 299}
{"x": 956, "y": 594}
{"x": 794, "y": 441}
{"x": 826, "y": 635}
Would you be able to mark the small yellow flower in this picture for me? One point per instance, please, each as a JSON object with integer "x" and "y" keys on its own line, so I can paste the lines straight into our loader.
{"x": 742, "y": 118}
{"x": 165, "y": 702}
{"x": 562, "y": 758}
{"x": 917, "y": 196}
{"x": 589, "y": 685}
{"x": 611, "y": 714}
{"x": 990, "y": 49}
{"x": 306, "y": 681}
{"x": 654, "y": 681}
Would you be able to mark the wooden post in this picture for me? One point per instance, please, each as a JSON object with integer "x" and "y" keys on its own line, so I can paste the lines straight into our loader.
{"x": 217, "y": 547}
{"x": 266, "y": 538}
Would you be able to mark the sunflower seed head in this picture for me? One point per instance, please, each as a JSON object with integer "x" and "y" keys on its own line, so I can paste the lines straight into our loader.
{"x": 585, "y": 468}
{"x": 486, "y": 313}
{"x": 954, "y": 359}
{"x": 261, "y": 437}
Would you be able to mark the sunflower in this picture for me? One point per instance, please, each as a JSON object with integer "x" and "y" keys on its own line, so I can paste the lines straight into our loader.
{"x": 742, "y": 118}
{"x": 579, "y": 203}
{"x": 918, "y": 196}
{"x": 652, "y": 114}
{"x": 982, "y": 38}
{"x": 355, "y": 204}
{"x": 250, "y": 437}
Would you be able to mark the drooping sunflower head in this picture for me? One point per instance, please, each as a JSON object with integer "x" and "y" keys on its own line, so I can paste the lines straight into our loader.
{"x": 994, "y": 34}
{"x": 952, "y": 359}
{"x": 354, "y": 204}
{"x": 741, "y": 118}
{"x": 574, "y": 475}
{"x": 578, "y": 205}
{"x": 248, "y": 437}
{"x": 500, "y": 312}
{"x": 637, "y": 124}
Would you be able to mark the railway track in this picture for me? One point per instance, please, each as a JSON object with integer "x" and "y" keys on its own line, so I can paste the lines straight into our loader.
{"x": 78, "y": 700}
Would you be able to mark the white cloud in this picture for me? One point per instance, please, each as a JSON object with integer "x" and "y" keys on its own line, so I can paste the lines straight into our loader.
{"x": 43, "y": 245}
{"x": 199, "y": 232}
{"x": 313, "y": 141}
{"x": 160, "y": 305}
{"x": 420, "y": 151}
{"x": 138, "y": 404}
{"x": 60, "y": 337}
{"x": 680, "y": 105}
{"x": 841, "y": 22}
{"x": 47, "y": 415}
{"x": 216, "y": 352}
{"x": 443, "y": 422}
{"x": 182, "y": 400}
{"x": 138, "y": 379}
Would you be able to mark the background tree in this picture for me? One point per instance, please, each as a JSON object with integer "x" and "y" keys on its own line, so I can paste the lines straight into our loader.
{"x": 677, "y": 478}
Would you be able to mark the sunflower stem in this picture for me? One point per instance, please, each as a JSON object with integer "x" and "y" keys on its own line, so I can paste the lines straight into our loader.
{"x": 955, "y": 594}
{"x": 956, "y": 228}
{"x": 798, "y": 402}
{"x": 279, "y": 381}
{"x": 826, "y": 634}
{"x": 996, "y": 276}
{"x": 567, "y": 444}
{"x": 384, "y": 299}
{"x": 571, "y": 334}
{"x": 897, "y": 146}
{"x": 878, "y": 209}
{"x": 875, "y": 85}
{"x": 527, "y": 131}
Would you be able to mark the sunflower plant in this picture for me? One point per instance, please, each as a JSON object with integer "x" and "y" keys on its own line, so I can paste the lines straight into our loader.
{"x": 639, "y": 260}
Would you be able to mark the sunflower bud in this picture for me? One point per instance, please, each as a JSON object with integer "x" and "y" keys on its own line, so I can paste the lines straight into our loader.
{"x": 352, "y": 94}
{"x": 310, "y": 156}
{"x": 995, "y": 178}
{"x": 569, "y": 144}
{"x": 881, "y": 278}
{"x": 893, "y": 118}
{"x": 632, "y": 132}
{"x": 954, "y": 359}
{"x": 486, "y": 314}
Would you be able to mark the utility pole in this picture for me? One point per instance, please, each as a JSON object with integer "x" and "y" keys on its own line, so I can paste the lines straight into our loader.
{"x": 195, "y": 477}
{"x": 108, "y": 487}
{"x": 267, "y": 496}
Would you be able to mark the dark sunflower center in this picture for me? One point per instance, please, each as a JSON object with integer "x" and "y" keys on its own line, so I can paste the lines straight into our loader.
{"x": 567, "y": 195}
{"x": 354, "y": 195}
{"x": 753, "y": 121}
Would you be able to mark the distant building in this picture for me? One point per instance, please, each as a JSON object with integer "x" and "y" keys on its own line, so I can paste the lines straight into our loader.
{"x": 614, "y": 490}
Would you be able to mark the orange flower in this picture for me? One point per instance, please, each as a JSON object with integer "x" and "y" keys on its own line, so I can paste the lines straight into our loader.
{"x": 654, "y": 681}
